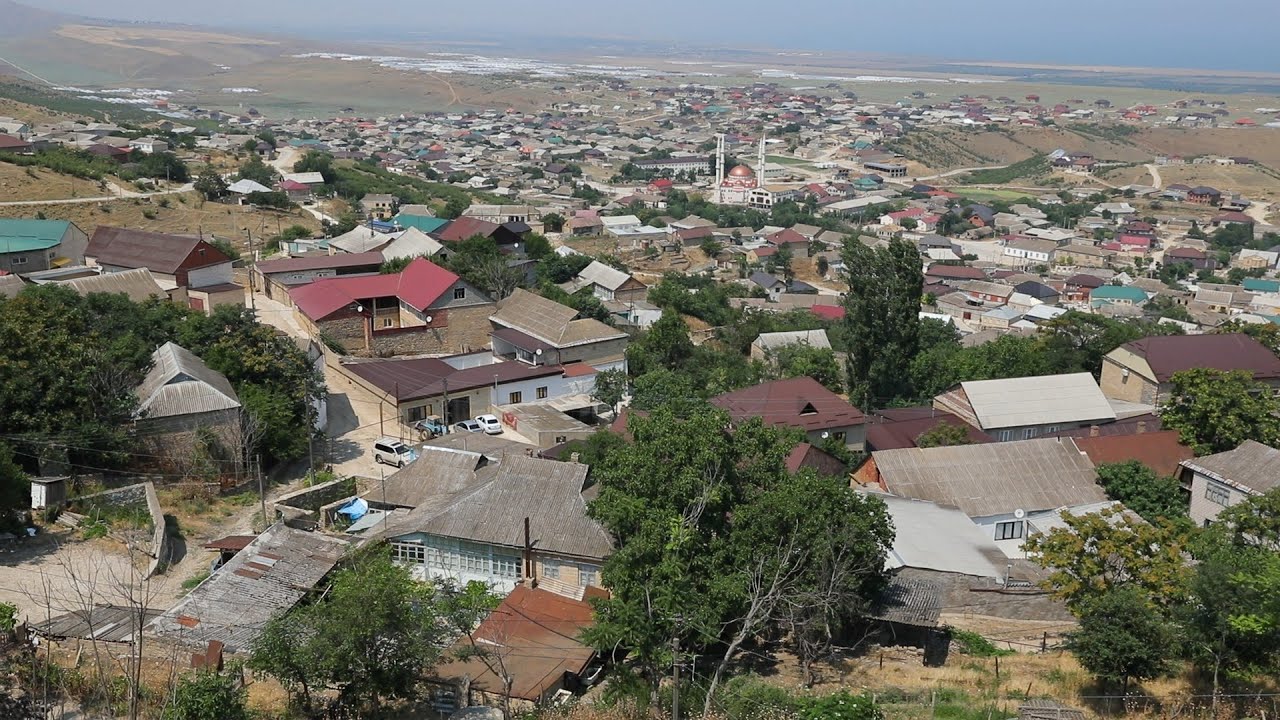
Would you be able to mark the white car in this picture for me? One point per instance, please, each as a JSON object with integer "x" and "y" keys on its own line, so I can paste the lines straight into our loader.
{"x": 490, "y": 424}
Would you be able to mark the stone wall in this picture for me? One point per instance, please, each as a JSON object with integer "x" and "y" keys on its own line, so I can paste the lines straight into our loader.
{"x": 139, "y": 495}
{"x": 303, "y": 506}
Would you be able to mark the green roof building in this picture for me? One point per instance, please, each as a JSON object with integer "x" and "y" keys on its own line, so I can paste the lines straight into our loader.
{"x": 1118, "y": 295}
{"x": 1261, "y": 285}
{"x": 32, "y": 245}
{"x": 425, "y": 223}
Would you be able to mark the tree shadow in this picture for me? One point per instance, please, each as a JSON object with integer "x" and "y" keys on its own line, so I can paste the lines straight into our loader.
{"x": 177, "y": 545}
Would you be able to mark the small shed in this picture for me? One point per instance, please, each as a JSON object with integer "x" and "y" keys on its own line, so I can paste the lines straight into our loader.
{"x": 48, "y": 492}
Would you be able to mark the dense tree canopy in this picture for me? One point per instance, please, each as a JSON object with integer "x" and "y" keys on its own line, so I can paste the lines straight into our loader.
{"x": 1215, "y": 411}
{"x": 704, "y": 518}
{"x": 1142, "y": 490}
{"x": 882, "y": 320}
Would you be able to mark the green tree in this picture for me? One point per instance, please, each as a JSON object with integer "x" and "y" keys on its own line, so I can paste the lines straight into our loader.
{"x": 944, "y": 434}
{"x": 711, "y": 528}
{"x": 553, "y": 222}
{"x": 665, "y": 345}
{"x": 1076, "y": 341}
{"x": 1216, "y": 410}
{"x": 394, "y": 265}
{"x": 1100, "y": 551}
{"x": 15, "y": 491}
{"x": 371, "y": 638}
{"x": 882, "y": 319}
{"x": 163, "y": 165}
{"x": 455, "y": 206}
{"x": 316, "y": 161}
{"x": 210, "y": 184}
{"x": 1122, "y": 637}
{"x": 256, "y": 170}
{"x": 1232, "y": 620}
{"x": 1142, "y": 490}
{"x": 537, "y": 247}
{"x": 208, "y": 695}
{"x": 800, "y": 360}
{"x": 611, "y": 386}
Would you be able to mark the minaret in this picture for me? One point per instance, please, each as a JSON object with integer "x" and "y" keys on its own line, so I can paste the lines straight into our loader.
{"x": 720, "y": 168}
{"x": 760, "y": 164}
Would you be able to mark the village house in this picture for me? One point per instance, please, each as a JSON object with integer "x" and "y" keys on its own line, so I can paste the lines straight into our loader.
{"x": 180, "y": 400}
{"x": 1027, "y": 407}
{"x": 1228, "y": 478}
{"x": 422, "y": 309}
{"x": 201, "y": 271}
{"x": 378, "y": 205}
{"x": 1142, "y": 371}
{"x": 521, "y": 519}
{"x": 532, "y": 329}
{"x": 987, "y": 294}
{"x": 801, "y": 403}
{"x": 1027, "y": 252}
{"x": 1077, "y": 288}
{"x": 998, "y": 485}
{"x": 32, "y": 245}
{"x": 1080, "y": 255}
{"x": 767, "y": 344}
{"x": 1196, "y": 258}
{"x": 276, "y": 277}
{"x": 608, "y": 283}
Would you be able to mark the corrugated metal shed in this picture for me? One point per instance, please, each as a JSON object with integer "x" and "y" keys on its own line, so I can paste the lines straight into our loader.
{"x": 993, "y": 479}
{"x": 179, "y": 383}
{"x": 138, "y": 283}
{"x": 109, "y": 623}
{"x": 268, "y": 577}
{"x": 910, "y": 601}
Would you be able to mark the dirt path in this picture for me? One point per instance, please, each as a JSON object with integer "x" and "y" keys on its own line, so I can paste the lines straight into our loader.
{"x": 453, "y": 93}
{"x": 1259, "y": 211}
{"x": 1157, "y": 182}
{"x": 121, "y": 193}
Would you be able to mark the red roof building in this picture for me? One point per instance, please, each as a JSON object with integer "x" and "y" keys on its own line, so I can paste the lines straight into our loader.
{"x": 422, "y": 309}
{"x": 802, "y": 403}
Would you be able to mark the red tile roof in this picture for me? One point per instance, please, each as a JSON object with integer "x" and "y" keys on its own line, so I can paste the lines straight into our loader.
{"x": 787, "y": 237}
{"x": 464, "y": 227}
{"x": 1161, "y": 451}
{"x": 830, "y": 312}
{"x": 421, "y": 283}
{"x": 798, "y": 402}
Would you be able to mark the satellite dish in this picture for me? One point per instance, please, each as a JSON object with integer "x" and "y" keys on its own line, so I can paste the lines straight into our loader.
{"x": 1019, "y": 513}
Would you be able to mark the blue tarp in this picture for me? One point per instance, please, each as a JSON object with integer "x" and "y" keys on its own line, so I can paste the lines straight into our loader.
{"x": 355, "y": 509}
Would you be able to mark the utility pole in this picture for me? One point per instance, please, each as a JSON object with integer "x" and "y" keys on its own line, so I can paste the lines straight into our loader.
{"x": 445, "y": 414}
{"x": 253, "y": 305}
{"x": 262, "y": 494}
{"x": 675, "y": 676}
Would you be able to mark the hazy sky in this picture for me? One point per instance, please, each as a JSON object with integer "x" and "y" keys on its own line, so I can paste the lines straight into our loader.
{"x": 1166, "y": 33}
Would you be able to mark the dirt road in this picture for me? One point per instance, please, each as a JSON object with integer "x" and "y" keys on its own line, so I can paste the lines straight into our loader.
{"x": 1157, "y": 182}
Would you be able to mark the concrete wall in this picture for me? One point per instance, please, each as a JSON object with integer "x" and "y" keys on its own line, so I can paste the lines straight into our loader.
{"x": 141, "y": 494}
{"x": 1133, "y": 388}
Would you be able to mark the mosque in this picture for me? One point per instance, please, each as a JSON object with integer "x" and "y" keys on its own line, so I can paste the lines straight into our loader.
{"x": 734, "y": 187}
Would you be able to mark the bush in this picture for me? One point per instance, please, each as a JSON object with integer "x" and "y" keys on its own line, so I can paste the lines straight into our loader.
{"x": 840, "y": 706}
{"x": 747, "y": 697}
{"x": 208, "y": 695}
{"x": 971, "y": 643}
{"x": 8, "y": 617}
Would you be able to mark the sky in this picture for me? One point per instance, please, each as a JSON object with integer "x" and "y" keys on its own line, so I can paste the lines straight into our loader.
{"x": 1142, "y": 33}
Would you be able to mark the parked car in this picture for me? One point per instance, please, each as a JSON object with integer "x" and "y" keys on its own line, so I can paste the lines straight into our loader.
{"x": 390, "y": 451}
{"x": 490, "y": 424}
{"x": 467, "y": 426}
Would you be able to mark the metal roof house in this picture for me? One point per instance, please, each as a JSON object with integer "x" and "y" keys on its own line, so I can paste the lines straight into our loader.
{"x": 1229, "y": 478}
{"x": 179, "y": 399}
{"x": 32, "y": 245}
{"x": 532, "y": 329}
{"x": 522, "y": 519}
{"x": 1027, "y": 407}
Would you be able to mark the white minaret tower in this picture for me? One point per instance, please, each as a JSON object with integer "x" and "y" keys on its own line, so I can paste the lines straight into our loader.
{"x": 719, "y": 168}
{"x": 760, "y": 164}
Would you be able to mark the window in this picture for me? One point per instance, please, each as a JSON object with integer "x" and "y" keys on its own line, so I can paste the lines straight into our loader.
{"x": 507, "y": 566}
{"x": 459, "y": 293}
{"x": 1004, "y": 435}
{"x": 515, "y": 398}
{"x": 542, "y": 392}
{"x": 1009, "y": 530}
{"x": 1028, "y": 433}
{"x": 551, "y": 569}
{"x": 409, "y": 552}
{"x": 415, "y": 414}
{"x": 386, "y": 322}
{"x": 588, "y": 575}
{"x": 19, "y": 261}
{"x": 1215, "y": 493}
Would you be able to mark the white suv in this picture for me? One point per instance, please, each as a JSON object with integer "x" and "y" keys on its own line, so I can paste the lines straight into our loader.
{"x": 393, "y": 452}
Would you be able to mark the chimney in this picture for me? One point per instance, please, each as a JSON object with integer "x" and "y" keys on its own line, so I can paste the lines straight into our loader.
{"x": 1093, "y": 431}
{"x": 1142, "y": 426}
{"x": 573, "y": 457}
